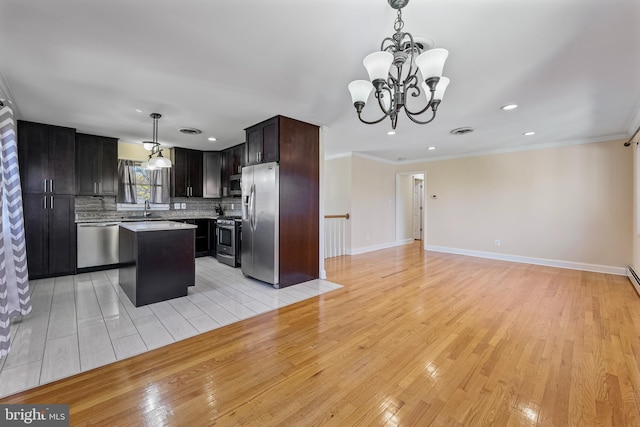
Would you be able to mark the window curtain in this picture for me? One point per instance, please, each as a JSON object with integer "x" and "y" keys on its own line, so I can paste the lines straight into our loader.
{"x": 126, "y": 181}
{"x": 159, "y": 186}
{"x": 14, "y": 278}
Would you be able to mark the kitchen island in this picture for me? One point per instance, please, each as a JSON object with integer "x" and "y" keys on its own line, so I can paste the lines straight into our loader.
{"x": 157, "y": 260}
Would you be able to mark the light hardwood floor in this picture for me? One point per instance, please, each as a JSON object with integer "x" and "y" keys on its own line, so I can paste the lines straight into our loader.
{"x": 413, "y": 338}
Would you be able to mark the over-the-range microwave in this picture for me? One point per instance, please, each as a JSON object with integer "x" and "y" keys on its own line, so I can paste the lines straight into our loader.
{"x": 235, "y": 185}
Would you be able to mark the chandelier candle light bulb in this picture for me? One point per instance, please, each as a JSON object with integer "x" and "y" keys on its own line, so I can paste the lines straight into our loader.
{"x": 394, "y": 77}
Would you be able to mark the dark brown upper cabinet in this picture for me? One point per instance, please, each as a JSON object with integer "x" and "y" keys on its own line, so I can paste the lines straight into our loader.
{"x": 212, "y": 174}
{"x": 232, "y": 163}
{"x": 263, "y": 142}
{"x": 186, "y": 173}
{"x": 46, "y": 155}
{"x": 96, "y": 165}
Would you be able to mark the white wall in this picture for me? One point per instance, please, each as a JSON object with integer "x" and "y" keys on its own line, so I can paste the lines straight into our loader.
{"x": 572, "y": 204}
{"x": 130, "y": 151}
{"x": 635, "y": 231}
{"x": 337, "y": 191}
{"x": 373, "y": 201}
{"x": 404, "y": 210}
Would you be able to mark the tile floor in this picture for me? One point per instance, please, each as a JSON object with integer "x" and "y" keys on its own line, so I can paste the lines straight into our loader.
{"x": 81, "y": 322}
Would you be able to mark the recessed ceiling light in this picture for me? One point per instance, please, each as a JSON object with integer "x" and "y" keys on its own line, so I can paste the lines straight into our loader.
{"x": 529, "y": 133}
{"x": 138, "y": 110}
{"x": 509, "y": 107}
{"x": 212, "y": 139}
{"x": 391, "y": 132}
{"x": 431, "y": 148}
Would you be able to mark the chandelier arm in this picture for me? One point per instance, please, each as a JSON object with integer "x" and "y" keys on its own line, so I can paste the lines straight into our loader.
{"x": 418, "y": 121}
{"x": 388, "y": 89}
{"x": 374, "y": 122}
{"x": 429, "y": 104}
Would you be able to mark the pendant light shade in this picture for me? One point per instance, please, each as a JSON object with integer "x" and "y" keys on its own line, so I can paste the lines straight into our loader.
{"x": 159, "y": 161}
{"x": 441, "y": 87}
{"x": 378, "y": 65}
{"x": 431, "y": 62}
{"x": 360, "y": 90}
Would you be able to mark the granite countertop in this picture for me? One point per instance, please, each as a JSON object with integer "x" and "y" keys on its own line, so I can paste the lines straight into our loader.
{"x": 156, "y": 226}
{"x": 120, "y": 216}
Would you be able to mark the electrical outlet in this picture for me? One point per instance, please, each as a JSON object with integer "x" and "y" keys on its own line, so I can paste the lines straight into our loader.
{"x": 497, "y": 242}
{"x": 233, "y": 206}
{"x": 176, "y": 206}
{"x": 183, "y": 206}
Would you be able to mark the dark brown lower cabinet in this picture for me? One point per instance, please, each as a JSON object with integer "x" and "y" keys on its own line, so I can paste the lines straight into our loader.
{"x": 50, "y": 234}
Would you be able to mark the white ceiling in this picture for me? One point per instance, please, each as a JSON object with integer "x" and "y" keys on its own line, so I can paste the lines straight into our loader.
{"x": 573, "y": 66}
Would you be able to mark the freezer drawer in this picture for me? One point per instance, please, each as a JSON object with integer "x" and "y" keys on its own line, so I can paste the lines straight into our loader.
{"x": 97, "y": 244}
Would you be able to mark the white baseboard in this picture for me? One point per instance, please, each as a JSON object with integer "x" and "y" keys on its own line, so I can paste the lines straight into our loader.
{"x": 323, "y": 274}
{"x": 620, "y": 271}
{"x": 365, "y": 249}
{"x": 633, "y": 279}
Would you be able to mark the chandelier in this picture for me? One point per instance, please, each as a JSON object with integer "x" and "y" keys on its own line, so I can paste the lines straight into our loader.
{"x": 393, "y": 74}
{"x": 159, "y": 161}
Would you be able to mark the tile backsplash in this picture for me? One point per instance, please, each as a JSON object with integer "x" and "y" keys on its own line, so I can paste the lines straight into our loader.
{"x": 105, "y": 207}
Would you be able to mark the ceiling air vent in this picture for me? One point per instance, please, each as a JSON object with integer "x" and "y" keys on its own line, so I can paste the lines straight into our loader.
{"x": 461, "y": 131}
{"x": 190, "y": 131}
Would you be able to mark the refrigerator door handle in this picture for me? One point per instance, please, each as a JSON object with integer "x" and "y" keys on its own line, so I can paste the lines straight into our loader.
{"x": 252, "y": 207}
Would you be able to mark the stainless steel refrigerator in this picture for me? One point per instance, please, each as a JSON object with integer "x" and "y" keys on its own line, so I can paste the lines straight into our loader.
{"x": 261, "y": 222}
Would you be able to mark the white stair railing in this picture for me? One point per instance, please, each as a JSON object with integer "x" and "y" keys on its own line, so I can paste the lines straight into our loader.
{"x": 335, "y": 242}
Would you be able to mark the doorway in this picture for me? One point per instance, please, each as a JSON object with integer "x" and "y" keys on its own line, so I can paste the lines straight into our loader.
{"x": 418, "y": 208}
{"x": 410, "y": 207}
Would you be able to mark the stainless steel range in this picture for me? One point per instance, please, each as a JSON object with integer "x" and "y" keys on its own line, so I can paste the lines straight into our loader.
{"x": 229, "y": 236}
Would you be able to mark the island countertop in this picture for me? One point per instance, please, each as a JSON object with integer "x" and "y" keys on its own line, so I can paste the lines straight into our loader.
{"x": 156, "y": 226}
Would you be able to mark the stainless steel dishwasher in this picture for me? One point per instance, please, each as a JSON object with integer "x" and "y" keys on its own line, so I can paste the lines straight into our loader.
{"x": 97, "y": 244}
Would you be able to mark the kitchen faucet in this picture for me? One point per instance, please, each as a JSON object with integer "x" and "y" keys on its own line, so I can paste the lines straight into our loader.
{"x": 147, "y": 208}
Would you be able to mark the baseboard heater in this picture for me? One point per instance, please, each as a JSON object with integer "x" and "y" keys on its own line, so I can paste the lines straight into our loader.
{"x": 635, "y": 280}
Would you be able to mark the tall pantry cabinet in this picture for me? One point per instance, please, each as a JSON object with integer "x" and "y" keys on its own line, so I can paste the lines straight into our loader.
{"x": 46, "y": 155}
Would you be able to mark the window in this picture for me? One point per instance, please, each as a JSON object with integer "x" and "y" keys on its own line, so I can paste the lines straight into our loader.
{"x": 137, "y": 185}
{"x": 142, "y": 183}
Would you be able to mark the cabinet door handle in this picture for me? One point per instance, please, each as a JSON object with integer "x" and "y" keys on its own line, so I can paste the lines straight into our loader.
{"x": 44, "y": 202}
{"x": 100, "y": 187}
{"x": 51, "y": 185}
{"x": 51, "y": 207}
{"x": 94, "y": 188}
{"x": 45, "y": 185}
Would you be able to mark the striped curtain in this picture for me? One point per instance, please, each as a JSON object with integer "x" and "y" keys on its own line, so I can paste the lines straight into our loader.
{"x": 14, "y": 279}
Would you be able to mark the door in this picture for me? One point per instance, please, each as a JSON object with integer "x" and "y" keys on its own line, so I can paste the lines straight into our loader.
{"x": 33, "y": 153}
{"x": 179, "y": 171}
{"x": 211, "y": 174}
{"x": 418, "y": 203}
{"x": 246, "y": 254}
{"x": 61, "y": 230}
{"x": 266, "y": 222}
{"x": 87, "y": 153}
{"x": 254, "y": 145}
{"x": 195, "y": 173}
{"x": 35, "y": 231}
{"x": 108, "y": 166}
{"x": 62, "y": 173}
